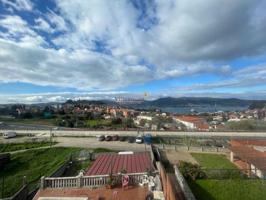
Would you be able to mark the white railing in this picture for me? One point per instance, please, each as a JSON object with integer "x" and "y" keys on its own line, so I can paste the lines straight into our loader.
{"x": 88, "y": 181}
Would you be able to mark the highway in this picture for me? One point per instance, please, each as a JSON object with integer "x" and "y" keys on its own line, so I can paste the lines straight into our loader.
{"x": 88, "y": 133}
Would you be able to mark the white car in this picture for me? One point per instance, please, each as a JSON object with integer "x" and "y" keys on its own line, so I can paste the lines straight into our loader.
{"x": 9, "y": 135}
{"x": 139, "y": 140}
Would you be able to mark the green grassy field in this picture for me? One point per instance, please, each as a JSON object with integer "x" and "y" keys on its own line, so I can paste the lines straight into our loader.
{"x": 33, "y": 164}
{"x": 234, "y": 189}
{"x": 226, "y": 189}
{"x": 97, "y": 122}
{"x": 213, "y": 161}
{"x": 38, "y": 121}
{"x": 21, "y": 146}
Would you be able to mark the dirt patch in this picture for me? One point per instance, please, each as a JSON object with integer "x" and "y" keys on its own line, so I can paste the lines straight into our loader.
{"x": 175, "y": 156}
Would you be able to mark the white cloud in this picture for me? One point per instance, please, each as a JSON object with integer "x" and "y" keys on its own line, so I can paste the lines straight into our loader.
{"x": 188, "y": 38}
{"x": 19, "y": 4}
{"x": 43, "y": 25}
{"x": 251, "y": 76}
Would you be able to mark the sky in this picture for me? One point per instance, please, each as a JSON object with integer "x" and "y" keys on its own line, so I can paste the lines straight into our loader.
{"x": 53, "y": 50}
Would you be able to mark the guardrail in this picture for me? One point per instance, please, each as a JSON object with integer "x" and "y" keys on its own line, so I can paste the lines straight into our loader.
{"x": 88, "y": 181}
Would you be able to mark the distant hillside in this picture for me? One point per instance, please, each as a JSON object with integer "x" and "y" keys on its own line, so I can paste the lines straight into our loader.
{"x": 257, "y": 105}
{"x": 85, "y": 102}
{"x": 188, "y": 101}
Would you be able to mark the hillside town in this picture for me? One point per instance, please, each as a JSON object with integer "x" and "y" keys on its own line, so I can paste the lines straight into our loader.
{"x": 98, "y": 115}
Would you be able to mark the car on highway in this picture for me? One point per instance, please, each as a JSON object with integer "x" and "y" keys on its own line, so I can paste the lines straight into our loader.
{"x": 101, "y": 138}
{"x": 139, "y": 139}
{"x": 108, "y": 138}
{"x": 115, "y": 137}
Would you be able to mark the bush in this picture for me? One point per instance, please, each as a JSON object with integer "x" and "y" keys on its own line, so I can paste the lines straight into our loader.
{"x": 191, "y": 171}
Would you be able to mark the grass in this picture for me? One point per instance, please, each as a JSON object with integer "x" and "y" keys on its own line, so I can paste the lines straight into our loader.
{"x": 213, "y": 161}
{"x": 102, "y": 150}
{"x": 38, "y": 121}
{"x": 21, "y": 146}
{"x": 98, "y": 122}
{"x": 235, "y": 189}
{"x": 33, "y": 164}
{"x": 229, "y": 189}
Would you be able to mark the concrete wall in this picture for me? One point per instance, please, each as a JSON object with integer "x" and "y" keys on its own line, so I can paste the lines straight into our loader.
{"x": 83, "y": 133}
{"x": 183, "y": 185}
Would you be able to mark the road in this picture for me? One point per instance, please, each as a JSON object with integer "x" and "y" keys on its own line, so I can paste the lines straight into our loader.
{"x": 87, "y": 133}
{"x": 92, "y": 142}
{"x": 84, "y": 142}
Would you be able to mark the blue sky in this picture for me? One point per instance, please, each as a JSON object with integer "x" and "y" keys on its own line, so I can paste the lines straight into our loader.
{"x": 53, "y": 50}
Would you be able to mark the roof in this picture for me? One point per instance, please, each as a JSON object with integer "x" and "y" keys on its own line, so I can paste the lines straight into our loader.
{"x": 114, "y": 163}
{"x": 199, "y": 122}
{"x": 244, "y": 150}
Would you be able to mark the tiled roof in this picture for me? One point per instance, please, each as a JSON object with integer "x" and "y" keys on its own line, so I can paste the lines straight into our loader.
{"x": 244, "y": 150}
{"x": 115, "y": 163}
{"x": 199, "y": 122}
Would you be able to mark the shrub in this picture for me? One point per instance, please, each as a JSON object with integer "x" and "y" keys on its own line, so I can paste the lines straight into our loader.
{"x": 191, "y": 171}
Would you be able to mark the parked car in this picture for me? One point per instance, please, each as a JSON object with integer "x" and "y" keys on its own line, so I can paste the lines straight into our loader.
{"x": 131, "y": 140}
{"x": 122, "y": 138}
{"x": 139, "y": 139}
{"x": 108, "y": 138}
{"x": 115, "y": 137}
{"x": 101, "y": 138}
{"x": 9, "y": 134}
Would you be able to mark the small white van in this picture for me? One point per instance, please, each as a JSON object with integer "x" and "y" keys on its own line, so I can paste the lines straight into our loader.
{"x": 9, "y": 135}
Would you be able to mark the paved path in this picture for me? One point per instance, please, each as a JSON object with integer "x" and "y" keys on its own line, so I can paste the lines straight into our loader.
{"x": 92, "y": 142}
{"x": 82, "y": 142}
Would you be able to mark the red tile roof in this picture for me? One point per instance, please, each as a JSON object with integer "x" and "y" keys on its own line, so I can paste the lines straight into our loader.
{"x": 199, "y": 122}
{"x": 114, "y": 163}
{"x": 244, "y": 150}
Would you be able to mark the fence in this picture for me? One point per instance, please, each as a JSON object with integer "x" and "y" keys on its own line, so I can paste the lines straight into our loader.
{"x": 183, "y": 185}
{"x": 88, "y": 181}
{"x": 192, "y": 148}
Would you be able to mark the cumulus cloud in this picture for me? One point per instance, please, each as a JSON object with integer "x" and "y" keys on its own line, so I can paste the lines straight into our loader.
{"x": 101, "y": 44}
{"x": 251, "y": 76}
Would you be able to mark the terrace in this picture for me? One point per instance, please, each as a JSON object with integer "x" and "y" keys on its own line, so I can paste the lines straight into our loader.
{"x": 105, "y": 179}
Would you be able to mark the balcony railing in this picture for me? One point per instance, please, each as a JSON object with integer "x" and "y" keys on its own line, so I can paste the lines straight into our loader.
{"x": 89, "y": 181}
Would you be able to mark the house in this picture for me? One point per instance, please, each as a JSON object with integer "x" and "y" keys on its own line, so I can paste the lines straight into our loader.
{"x": 192, "y": 122}
{"x": 132, "y": 175}
{"x": 249, "y": 155}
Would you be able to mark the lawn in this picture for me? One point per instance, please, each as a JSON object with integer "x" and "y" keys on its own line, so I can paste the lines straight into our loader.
{"x": 234, "y": 189}
{"x": 33, "y": 164}
{"x": 38, "y": 121}
{"x": 213, "y": 161}
{"x": 94, "y": 123}
{"x": 225, "y": 189}
{"x": 20, "y": 146}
